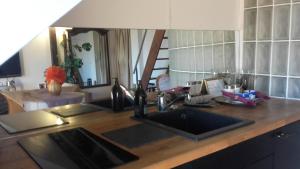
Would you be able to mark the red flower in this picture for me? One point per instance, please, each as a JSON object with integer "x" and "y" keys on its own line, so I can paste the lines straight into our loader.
{"x": 55, "y": 73}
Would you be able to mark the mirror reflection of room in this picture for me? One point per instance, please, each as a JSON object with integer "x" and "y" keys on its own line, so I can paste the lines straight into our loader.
{"x": 92, "y": 58}
{"x": 84, "y": 54}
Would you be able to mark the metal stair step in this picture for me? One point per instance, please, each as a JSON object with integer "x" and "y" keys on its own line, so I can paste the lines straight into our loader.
{"x": 162, "y": 59}
{"x": 161, "y": 68}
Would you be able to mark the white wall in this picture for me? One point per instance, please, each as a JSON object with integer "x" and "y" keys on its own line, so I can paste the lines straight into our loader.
{"x": 151, "y": 14}
{"x": 205, "y": 14}
{"x": 155, "y": 14}
{"x": 35, "y": 58}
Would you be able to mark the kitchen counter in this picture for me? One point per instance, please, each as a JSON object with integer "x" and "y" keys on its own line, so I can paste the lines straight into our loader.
{"x": 166, "y": 153}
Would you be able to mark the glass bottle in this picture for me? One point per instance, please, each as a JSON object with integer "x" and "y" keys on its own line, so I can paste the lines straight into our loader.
{"x": 117, "y": 96}
{"x": 140, "y": 102}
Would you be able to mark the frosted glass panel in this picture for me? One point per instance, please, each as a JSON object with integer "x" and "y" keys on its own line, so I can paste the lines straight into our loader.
{"x": 296, "y": 22}
{"x": 172, "y": 42}
{"x": 250, "y": 3}
{"x": 263, "y": 58}
{"x": 193, "y": 76}
{"x": 199, "y": 59}
{"x": 249, "y": 57}
{"x": 218, "y": 36}
{"x": 185, "y": 56}
{"x": 207, "y": 58}
{"x": 184, "y": 38}
{"x": 229, "y": 36}
{"x": 229, "y": 53}
{"x": 218, "y": 59}
{"x": 280, "y": 55}
{"x": 208, "y": 75}
{"x": 172, "y": 60}
{"x": 262, "y": 84}
{"x": 173, "y": 78}
{"x": 278, "y": 87}
{"x": 183, "y": 78}
{"x": 281, "y": 1}
{"x": 272, "y": 45}
{"x": 191, "y": 60}
{"x": 180, "y": 65}
{"x": 294, "y": 88}
{"x": 200, "y": 76}
{"x": 295, "y": 59}
{"x": 198, "y": 37}
{"x": 207, "y": 37}
{"x": 191, "y": 38}
{"x": 250, "y": 24}
{"x": 264, "y": 2}
{"x": 264, "y": 23}
{"x": 281, "y": 22}
{"x": 200, "y": 53}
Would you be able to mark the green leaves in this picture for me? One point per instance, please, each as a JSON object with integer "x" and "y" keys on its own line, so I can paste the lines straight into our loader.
{"x": 86, "y": 46}
{"x": 78, "y": 48}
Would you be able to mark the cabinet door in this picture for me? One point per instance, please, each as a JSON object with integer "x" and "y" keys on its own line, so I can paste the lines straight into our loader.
{"x": 211, "y": 161}
{"x": 287, "y": 147}
{"x": 252, "y": 153}
{"x": 265, "y": 163}
{"x": 248, "y": 153}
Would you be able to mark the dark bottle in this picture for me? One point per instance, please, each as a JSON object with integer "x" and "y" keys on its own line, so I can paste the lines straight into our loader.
{"x": 117, "y": 96}
{"x": 140, "y": 102}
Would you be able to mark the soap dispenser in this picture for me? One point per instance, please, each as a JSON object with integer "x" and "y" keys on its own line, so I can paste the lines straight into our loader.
{"x": 140, "y": 102}
{"x": 117, "y": 97}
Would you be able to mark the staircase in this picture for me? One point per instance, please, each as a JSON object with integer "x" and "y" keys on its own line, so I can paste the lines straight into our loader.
{"x": 157, "y": 60}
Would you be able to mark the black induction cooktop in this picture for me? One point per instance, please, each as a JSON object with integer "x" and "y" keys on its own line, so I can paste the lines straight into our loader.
{"x": 74, "y": 109}
{"x": 74, "y": 149}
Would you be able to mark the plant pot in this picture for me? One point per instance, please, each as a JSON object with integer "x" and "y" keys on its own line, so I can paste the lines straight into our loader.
{"x": 54, "y": 88}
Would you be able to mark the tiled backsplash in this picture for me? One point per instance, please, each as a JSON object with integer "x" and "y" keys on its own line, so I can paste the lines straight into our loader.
{"x": 195, "y": 55}
{"x": 272, "y": 46}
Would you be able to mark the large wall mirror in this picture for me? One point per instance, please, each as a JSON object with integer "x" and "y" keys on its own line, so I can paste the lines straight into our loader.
{"x": 84, "y": 54}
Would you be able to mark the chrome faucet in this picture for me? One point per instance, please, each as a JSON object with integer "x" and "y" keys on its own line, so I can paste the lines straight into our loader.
{"x": 162, "y": 103}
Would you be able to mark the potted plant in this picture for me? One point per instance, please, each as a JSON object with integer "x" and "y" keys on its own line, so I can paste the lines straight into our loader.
{"x": 55, "y": 77}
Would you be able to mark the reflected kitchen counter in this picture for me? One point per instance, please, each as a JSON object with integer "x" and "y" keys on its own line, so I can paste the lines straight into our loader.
{"x": 165, "y": 153}
{"x": 30, "y": 100}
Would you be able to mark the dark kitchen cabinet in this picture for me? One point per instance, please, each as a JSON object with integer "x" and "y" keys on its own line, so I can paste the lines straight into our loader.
{"x": 287, "y": 147}
{"x": 279, "y": 149}
{"x": 265, "y": 163}
{"x": 249, "y": 153}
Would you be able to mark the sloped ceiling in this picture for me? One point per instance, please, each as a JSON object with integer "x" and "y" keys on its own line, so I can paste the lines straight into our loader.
{"x": 22, "y": 20}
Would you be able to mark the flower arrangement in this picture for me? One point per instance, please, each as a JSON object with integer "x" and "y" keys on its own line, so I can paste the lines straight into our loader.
{"x": 55, "y": 77}
{"x": 56, "y": 74}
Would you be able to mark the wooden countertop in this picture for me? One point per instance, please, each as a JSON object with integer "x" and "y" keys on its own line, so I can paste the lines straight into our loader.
{"x": 170, "y": 152}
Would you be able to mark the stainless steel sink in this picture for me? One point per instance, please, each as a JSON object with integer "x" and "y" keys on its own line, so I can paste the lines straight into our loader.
{"x": 195, "y": 124}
